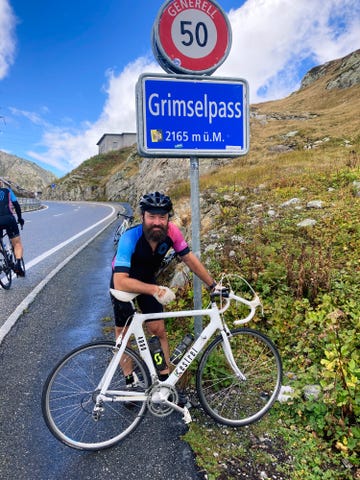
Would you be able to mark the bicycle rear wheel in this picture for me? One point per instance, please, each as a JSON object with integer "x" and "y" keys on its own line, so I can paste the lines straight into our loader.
{"x": 228, "y": 399}
{"x": 5, "y": 271}
{"x": 69, "y": 396}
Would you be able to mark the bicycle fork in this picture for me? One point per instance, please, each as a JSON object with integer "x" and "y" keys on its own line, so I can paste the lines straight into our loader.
{"x": 225, "y": 333}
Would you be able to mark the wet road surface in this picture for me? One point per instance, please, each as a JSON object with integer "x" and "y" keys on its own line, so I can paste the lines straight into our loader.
{"x": 69, "y": 311}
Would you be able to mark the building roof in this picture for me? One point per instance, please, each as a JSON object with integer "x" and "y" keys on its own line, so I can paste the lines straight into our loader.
{"x": 117, "y": 134}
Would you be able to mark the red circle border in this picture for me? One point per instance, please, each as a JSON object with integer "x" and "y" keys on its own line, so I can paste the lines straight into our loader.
{"x": 168, "y": 47}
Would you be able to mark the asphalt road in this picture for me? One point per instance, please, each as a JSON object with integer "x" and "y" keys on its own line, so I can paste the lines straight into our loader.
{"x": 50, "y": 237}
{"x": 69, "y": 311}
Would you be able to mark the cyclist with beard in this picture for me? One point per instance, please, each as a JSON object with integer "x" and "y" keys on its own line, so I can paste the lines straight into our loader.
{"x": 140, "y": 252}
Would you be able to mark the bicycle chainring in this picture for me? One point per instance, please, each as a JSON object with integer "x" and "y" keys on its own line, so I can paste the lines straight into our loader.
{"x": 161, "y": 409}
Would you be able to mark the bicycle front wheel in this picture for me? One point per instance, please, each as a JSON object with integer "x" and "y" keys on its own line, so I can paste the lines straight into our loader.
{"x": 5, "y": 271}
{"x": 69, "y": 397}
{"x": 231, "y": 400}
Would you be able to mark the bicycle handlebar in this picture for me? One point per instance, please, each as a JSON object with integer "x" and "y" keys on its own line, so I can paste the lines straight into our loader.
{"x": 252, "y": 304}
{"x": 129, "y": 217}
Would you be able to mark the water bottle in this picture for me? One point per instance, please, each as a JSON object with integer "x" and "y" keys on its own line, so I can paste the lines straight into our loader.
{"x": 157, "y": 353}
{"x": 181, "y": 349}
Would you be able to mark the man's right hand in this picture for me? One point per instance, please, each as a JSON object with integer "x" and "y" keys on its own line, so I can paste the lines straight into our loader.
{"x": 21, "y": 222}
{"x": 164, "y": 295}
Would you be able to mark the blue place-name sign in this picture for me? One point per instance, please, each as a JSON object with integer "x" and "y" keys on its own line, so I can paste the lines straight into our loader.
{"x": 181, "y": 115}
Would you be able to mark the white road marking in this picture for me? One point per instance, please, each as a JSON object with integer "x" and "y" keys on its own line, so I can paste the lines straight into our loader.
{"x": 53, "y": 250}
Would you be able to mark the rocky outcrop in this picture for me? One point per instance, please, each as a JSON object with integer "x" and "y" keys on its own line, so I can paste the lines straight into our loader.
{"x": 345, "y": 72}
{"x": 156, "y": 174}
{"x": 27, "y": 175}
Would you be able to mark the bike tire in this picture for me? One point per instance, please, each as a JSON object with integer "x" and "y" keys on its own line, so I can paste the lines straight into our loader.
{"x": 69, "y": 396}
{"x": 228, "y": 399}
{"x": 5, "y": 271}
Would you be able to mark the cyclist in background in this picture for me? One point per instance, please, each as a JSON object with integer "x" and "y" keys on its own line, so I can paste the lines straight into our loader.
{"x": 140, "y": 251}
{"x": 8, "y": 202}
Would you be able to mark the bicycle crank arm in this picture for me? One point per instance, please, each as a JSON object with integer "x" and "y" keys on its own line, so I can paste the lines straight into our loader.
{"x": 160, "y": 397}
{"x": 184, "y": 410}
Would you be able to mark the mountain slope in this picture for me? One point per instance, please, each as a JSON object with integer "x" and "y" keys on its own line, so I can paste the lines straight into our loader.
{"x": 26, "y": 174}
{"x": 323, "y": 113}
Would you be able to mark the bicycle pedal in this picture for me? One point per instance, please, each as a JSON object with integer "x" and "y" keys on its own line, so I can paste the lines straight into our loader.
{"x": 186, "y": 416}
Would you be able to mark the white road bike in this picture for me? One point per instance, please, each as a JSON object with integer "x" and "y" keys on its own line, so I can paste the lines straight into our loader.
{"x": 87, "y": 406}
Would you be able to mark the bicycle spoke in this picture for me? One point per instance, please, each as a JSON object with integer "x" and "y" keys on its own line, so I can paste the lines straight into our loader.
{"x": 231, "y": 400}
{"x": 70, "y": 395}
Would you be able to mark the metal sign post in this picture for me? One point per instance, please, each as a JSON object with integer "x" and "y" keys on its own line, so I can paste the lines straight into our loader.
{"x": 195, "y": 236}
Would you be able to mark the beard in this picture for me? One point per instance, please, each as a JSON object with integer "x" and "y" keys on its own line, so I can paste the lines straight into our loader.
{"x": 155, "y": 234}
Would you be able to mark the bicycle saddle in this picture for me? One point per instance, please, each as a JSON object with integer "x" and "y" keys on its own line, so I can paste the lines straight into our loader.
{"x": 123, "y": 296}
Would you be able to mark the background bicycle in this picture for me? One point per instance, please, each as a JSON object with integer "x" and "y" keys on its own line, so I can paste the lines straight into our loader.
{"x": 126, "y": 222}
{"x": 7, "y": 261}
{"x": 87, "y": 405}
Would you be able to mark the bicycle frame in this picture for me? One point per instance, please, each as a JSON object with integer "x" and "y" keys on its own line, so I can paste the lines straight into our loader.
{"x": 136, "y": 329}
{"x": 88, "y": 404}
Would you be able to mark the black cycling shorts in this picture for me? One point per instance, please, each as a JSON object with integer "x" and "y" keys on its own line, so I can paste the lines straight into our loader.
{"x": 123, "y": 311}
{"x": 9, "y": 223}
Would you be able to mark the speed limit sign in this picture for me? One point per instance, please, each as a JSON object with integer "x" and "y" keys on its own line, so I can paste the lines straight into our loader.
{"x": 191, "y": 36}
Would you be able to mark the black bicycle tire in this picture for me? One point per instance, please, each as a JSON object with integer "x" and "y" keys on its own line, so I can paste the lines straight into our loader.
{"x": 6, "y": 269}
{"x": 81, "y": 412}
{"x": 231, "y": 401}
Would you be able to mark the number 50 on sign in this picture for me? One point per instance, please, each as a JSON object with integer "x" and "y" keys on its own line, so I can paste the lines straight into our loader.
{"x": 191, "y": 36}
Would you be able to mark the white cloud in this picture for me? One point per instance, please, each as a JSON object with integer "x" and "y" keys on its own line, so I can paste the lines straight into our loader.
{"x": 34, "y": 118}
{"x": 7, "y": 37}
{"x": 273, "y": 42}
{"x": 65, "y": 150}
{"x": 272, "y": 38}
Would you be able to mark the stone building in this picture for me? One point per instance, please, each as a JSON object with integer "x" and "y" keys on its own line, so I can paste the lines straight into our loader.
{"x": 115, "y": 141}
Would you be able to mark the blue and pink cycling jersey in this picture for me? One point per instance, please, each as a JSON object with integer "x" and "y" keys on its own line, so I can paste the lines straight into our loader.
{"x": 135, "y": 256}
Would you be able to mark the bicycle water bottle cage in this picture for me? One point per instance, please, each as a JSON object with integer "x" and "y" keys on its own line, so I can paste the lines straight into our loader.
{"x": 224, "y": 292}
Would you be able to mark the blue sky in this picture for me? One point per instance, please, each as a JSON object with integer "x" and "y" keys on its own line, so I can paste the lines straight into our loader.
{"x": 68, "y": 69}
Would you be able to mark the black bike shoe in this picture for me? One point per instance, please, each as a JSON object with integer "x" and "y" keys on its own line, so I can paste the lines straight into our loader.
{"x": 18, "y": 269}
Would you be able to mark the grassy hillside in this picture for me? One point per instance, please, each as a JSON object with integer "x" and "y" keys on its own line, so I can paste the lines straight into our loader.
{"x": 308, "y": 279}
{"x": 307, "y": 276}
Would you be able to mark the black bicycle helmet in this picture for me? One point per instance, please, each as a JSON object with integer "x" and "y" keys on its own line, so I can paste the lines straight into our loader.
{"x": 156, "y": 202}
